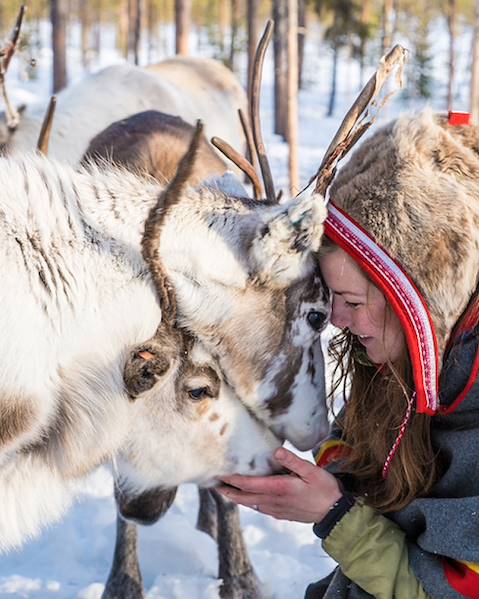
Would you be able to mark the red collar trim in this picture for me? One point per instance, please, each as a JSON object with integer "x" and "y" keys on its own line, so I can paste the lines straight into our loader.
{"x": 404, "y": 297}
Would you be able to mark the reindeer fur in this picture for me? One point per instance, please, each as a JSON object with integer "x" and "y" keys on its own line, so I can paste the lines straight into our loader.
{"x": 71, "y": 252}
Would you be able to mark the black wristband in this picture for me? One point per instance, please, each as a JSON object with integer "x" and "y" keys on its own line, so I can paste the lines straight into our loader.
{"x": 336, "y": 512}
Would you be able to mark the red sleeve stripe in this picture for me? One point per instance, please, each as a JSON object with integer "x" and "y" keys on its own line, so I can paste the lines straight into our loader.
{"x": 463, "y": 577}
{"x": 331, "y": 451}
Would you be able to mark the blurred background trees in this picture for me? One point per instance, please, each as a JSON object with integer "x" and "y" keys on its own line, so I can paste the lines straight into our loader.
{"x": 350, "y": 34}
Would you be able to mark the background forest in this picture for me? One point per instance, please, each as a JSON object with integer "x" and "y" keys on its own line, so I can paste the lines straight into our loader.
{"x": 144, "y": 31}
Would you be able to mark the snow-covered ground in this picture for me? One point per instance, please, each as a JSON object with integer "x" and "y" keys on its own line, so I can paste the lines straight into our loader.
{"x": 72, "y": 559}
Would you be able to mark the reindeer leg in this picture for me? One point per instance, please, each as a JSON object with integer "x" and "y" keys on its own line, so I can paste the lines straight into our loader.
{"x": 235, "y": 568}
{"x": 124, "y": 580}
{"x": 207, "y": 514}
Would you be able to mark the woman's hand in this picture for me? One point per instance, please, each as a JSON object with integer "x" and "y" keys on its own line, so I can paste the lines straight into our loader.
{"x": 305, "y": 495}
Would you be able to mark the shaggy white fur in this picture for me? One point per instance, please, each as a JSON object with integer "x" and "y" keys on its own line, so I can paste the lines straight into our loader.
{"x": 76, "y": 296}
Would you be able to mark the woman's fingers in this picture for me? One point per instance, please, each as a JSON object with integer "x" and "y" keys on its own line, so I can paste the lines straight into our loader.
{"x": 266, "y": 485}
{"x": 294, "y": 463}
{"x": 246, "y": 499}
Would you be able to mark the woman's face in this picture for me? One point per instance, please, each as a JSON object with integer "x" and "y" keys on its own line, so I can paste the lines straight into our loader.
{"x": 360, "y": 307}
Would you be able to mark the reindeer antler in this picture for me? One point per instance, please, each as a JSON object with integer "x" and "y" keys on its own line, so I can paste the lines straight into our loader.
{"x": 241, "y": 162}
{"x": 353, "y": 126}
{"x": 151, "y": 238}
{"x": 6, "y": 53}
{"x": 257, "y": 73}
{"x": 248, "y": 133}
{"x": 44, "y": 137}
{"x": 254, "y": 137}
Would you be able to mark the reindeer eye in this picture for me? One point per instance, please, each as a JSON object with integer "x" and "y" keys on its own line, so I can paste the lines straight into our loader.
{"x": 199, "y": 393}
{"x": 316, "y": 319}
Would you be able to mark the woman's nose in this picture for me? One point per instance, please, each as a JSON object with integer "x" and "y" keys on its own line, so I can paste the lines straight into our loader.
{"x": 339, "y": 317}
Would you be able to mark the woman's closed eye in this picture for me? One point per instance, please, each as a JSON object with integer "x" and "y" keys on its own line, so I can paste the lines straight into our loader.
{"x": 352, "y": 305}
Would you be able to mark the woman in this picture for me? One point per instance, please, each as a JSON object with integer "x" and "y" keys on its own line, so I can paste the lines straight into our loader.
{"x": 397, "y": 505}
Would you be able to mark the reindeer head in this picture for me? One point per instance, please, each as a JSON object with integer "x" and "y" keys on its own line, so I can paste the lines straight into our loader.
{"x": 246, "y": 280}
{"x": 187, "y": 424}
{"x": 180, "y": 398}
{"x": 248, "y": 284}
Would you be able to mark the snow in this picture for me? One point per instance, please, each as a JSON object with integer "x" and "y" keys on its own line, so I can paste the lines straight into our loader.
{"x": 72, "y": 559}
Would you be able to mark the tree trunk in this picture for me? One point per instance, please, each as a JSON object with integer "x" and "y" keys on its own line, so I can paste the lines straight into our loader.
{"x": 85, "y": 23}
{"x": 334, "y": 77}
{"x": 2, "y": 20}
{"x": 222, "y": 20}
{"x": 292, "y": 134}
{"x": 123, "y": 25}
{"x": 137, "y": 32}
{"x": 475, "y": 71}
{"x": 182, "y": 20}
{"x": 280, "y": 47}
{"x": 134, "y": 23}
{"x": 98, "y": 20}
{"x": 451, "y": 25}
{"x": 365, "y": 17}
{"x": 151, "y": 24}
{"x": 58, "y": 17}
{"x": 301, "y": 39}
{"x": 235, "y": 23}
{"x": 253, "y": 35}
{"x": 387, "y": 16}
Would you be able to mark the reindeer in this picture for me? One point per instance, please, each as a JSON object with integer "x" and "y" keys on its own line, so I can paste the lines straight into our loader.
{"x": 153, "y": 142}
{"x": 192, "y": 88}
{"x": 315, "y": 317}
{"x": 246, "y": 282}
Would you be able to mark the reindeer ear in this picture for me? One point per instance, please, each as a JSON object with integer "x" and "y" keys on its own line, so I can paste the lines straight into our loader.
{"x": 282, "y": 248}
{"x": 145, "y": 366}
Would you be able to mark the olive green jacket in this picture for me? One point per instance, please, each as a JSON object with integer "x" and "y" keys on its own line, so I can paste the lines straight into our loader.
{"x": 372, "y": 552}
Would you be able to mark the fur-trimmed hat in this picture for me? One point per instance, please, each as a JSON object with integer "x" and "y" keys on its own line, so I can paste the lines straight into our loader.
{"x": 413, "y": 187}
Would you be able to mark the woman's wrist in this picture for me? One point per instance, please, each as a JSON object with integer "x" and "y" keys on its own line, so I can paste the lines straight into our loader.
{"x": 335, "y": 513}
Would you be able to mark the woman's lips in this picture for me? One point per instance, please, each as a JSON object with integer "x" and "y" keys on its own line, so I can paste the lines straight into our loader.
{"x": 364, "y": 340}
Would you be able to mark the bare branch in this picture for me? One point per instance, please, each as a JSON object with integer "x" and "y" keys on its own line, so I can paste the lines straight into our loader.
{"x": 6, "y": 53}
{"x": 241, "y": 163}
{"x": 11, "y": 46}
{"x": 44, "y": 137}
{"x": 358, "y": 119}
{"x": 254, "y": 110}
{"x": 150, "y": 243}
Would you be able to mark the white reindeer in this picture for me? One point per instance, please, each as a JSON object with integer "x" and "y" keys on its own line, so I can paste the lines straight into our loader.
{"x": 247, "y": 284}
{"x": 308, "y": 380}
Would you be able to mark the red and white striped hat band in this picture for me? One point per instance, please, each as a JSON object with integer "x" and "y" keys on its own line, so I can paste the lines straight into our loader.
{"x": 403, "y": 296}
